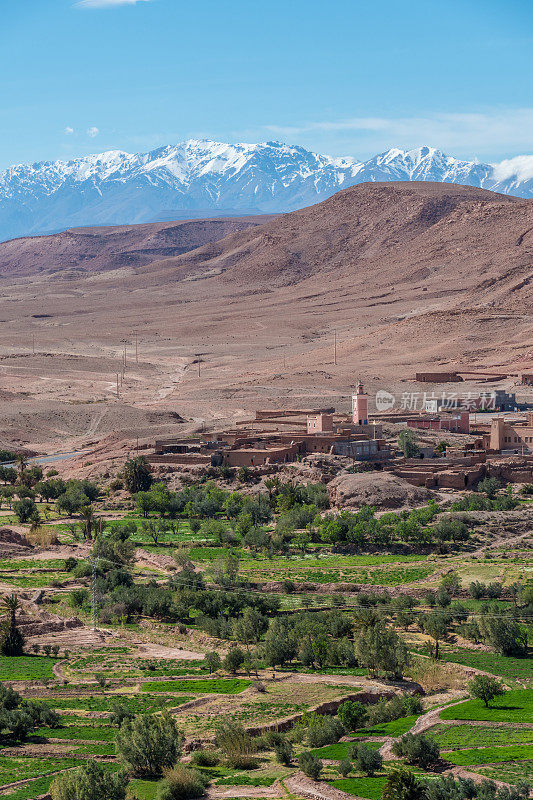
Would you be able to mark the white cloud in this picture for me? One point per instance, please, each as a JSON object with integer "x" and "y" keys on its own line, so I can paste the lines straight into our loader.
{"x": 520, "y": 167}
{"x": 69, "y": 131}
{"x": 488, "y": 132}
{"x": 92, "y": 132}
{"x": 107, "y": 3}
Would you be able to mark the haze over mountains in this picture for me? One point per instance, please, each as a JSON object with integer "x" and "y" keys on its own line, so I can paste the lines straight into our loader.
{"x": 206, "y": 179}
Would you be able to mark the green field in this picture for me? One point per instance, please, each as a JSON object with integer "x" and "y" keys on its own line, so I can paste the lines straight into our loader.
{"x": 514, "y": 706}
{"x": 207, "y": 686}
{"x": 98, "y": 733}
{"x": 490, "y": 755}
{"x": 26, "y": 668}
{"x": 341, "y": 750}
{"x": 456, "y": 737}
{"x": 395, "y": 728}
{"x": 510, "y": 773}
{"x": 138, "y": 704}
{"x": 504, "y": 666}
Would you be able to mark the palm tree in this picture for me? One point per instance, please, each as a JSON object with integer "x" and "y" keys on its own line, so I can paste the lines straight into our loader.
{"x": 89, "y": 521}
{"x": 11, "y": 604}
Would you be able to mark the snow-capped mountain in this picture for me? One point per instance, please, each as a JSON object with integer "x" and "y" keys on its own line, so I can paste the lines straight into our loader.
{"x": 205, "y": 178}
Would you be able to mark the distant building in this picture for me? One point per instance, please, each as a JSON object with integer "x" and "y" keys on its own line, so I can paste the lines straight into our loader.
{"x": 506, "y": 435}
{"x": 454, "y": 423}
{"x": 360, "y": 406}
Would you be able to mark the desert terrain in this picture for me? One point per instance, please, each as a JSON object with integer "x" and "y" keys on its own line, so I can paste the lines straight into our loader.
{"x": 407, "y": 276}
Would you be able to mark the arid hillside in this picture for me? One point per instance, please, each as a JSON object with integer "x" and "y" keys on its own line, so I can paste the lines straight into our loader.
{"x": 410, "y": 276}
{"x": 87, "y": 250}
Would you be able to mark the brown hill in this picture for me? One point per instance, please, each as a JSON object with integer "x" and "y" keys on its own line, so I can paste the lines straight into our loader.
{"x": 105, "y": 248}
{"x": 411, "y": 276}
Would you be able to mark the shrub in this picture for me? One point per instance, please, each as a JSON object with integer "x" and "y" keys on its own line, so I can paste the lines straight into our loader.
{"x": 310, "y": 765}
{"x": 234, "y": 740}
{"x": 324, "y": 730}
{"x": 368, "y": 760}
{"x": 284, "y": 752}
{"x": 352, "y": 714}
{"x": 181, "y": 783}
{"x": 345, "y": 767}
{"x": 149, "y": 744}
{"x": 89, "y": 782}
{"x": 402, "y": 785}
{"x": 205, "y": 758}
{"x": 417, "y": 749}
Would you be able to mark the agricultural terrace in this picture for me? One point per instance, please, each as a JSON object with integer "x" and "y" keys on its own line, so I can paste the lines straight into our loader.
{"x": 256, "y": 641}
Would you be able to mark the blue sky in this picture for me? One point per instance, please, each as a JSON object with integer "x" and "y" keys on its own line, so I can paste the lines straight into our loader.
{"x": 343, "y": 77}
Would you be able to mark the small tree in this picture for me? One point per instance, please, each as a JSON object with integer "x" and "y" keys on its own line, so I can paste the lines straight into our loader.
{"x": 310, "y": 765}
{"x": 407, "y": 443}
{"x": 368, "y": 760}
{"x": 490, "y": 486}
{"x": 284, "y": 752}
{"x": 25, "y": 509}
{"x": 345, "y": 767}
{"x": 485, "y": 688}
{"x": 212, "y": 661}
{"x": 417, "y": 749}
{"x": 89, "y": 782}
{"x": 402, "y": 785}
{"x": 137, "y": 475}
{"x": 234, "y": 659}
{"x": 352, "y": 714}
{"x": 149, "y": 744}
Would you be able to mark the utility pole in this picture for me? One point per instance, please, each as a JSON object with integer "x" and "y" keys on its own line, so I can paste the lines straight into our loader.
{"x": 94, "y": 604}
{"x": 136, "y": 347}
{"x": 124, "y": 359}
{"x": 335, "y": 346}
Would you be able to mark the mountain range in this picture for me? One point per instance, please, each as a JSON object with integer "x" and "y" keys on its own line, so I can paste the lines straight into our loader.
{"x": 198, "y": 179}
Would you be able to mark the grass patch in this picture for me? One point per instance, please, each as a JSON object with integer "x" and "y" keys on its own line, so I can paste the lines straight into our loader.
{"x": 142, "y": 790}
{"x": 341, "y": 750}
{"x": 504, "y": 666}
{"x": 395, "y": 728}
{"x": 490, "y": 755}
{"x": 456, "y": 737}
{"x": 138, "y": 704}
{"x": 510, "y": 773}
{"x": 207, "y": 686}
{"x": 98, "y": 733}
{"x": 26, "y": 668}
{"x": 514, "y": 706}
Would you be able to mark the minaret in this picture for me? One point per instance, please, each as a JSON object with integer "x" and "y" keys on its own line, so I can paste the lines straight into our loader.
{"x": 360, "y": 406}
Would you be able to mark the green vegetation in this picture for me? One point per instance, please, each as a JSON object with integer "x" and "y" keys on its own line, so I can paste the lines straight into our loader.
{"x": 26, "y": 668}
{"x": 515, "y": 706}
{"x": 458, "y": 736}
{"x": 490, "y": 755}
{"x": 206, "y": 686}
{"x": 371, "y": 788}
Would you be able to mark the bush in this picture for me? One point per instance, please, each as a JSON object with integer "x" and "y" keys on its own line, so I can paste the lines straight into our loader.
{"x": 324, "y": 730}
{"x": 181, "y": 783}
{"x": 352, "y": 714}
{"x": 205, "y": 758}
{"x": 402, "y": 785}
{"x": 345, "y": 767}
{"x": 310, "y": 765}
{"x": 368, "y": 760}
{"x": 89, "y": 782}
{"x": 417, "y": 749}
{"x": 284, "y": 752}
{"x": 234, "y": 741}
{"x": 149, "y": 744}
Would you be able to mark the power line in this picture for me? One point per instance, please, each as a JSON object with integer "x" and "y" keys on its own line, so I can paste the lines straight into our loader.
{"x": 349, "y": 607}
